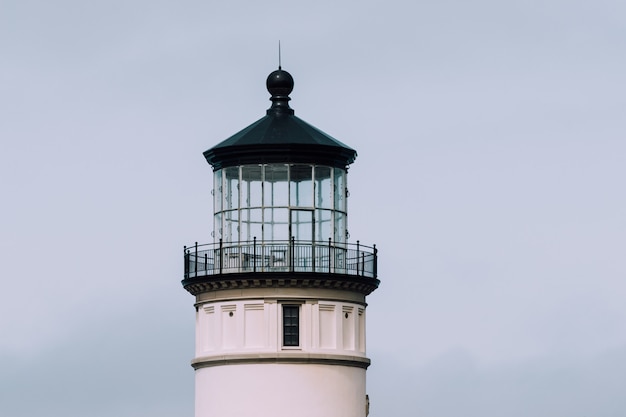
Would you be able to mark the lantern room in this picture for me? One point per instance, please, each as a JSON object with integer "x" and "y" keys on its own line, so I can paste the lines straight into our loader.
{"x": 280, "y": 199}
{"x": 275, "y": 202}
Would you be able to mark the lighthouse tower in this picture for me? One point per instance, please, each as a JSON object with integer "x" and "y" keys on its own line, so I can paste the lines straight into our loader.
{"x": 280, "y": 292}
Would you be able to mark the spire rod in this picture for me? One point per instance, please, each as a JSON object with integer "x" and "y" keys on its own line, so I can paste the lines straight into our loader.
{"x": 279, "y": 67}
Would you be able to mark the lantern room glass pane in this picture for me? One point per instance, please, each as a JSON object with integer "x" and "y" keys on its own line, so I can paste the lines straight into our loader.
{"x": 302, "y": 225}
{"x": 323, "y": 226}
{"x": 276, "y": 186}
{"x": 217, "y": 225}
{"x": 323, "y": 194}
{"x": 276, "y": 224}
{"x": 230, "y": 228}
{"x": 251, "y": 224}
{"x": 251, "y": 186}
{"x": 231, "y": 188}
{"x": 217, "y": 191}
{"x": 339, "y": 189}
{"x": 301, "y": 186}
{"x": 340, "y": 227}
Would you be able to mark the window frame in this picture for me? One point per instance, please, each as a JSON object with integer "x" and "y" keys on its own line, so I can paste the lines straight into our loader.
{"x": 288, "y": 324}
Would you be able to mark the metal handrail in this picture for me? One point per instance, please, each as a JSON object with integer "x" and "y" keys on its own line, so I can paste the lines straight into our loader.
{"x": 280, "y": 256}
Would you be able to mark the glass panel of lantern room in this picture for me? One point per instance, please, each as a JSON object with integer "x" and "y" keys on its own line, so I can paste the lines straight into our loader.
{"x": 301, "y": 186}
{"x": 340, "y": 232}
{"x": 217, "y": 204}
{"x": 339, "y": 189}
{"x": 217, "y": 191}
{"x": 323, "y": 219}
{"x": 302, "y": 225}
{"x": 276, "y": 224}
{"x": 251, "y": 186}
{"x": 339, "y": 202}
{"x": 217, "y": 226}
{"x": 323, "y": 194}
{"x": 230, "y": 226}
{"x": 256, "y": 226}
{"x": 231, "y": 188}
{"x": 251, "y": 224}
{"x": 276, "y": 186}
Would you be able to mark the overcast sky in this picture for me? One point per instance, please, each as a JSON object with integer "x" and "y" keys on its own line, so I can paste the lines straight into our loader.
{"x": 491, "y": 168}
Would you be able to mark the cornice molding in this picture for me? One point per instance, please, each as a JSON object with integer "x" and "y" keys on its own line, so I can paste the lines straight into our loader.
{"x": 290, "y": 358}
{"x": 198, "y": 285}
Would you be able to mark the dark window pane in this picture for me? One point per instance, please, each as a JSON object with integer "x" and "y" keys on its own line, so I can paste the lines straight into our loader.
{"x": 291, "y": 325}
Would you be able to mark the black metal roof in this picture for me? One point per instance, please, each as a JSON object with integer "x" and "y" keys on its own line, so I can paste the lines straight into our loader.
{"x": 280, "y": 136}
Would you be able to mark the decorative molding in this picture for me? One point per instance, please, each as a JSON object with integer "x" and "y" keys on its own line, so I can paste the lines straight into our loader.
{"x": 269, "y": 294}
{"x": 199, "y": 285}
{"x": 290, "y": 358}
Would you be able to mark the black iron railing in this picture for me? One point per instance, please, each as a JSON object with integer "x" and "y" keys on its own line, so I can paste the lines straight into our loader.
{"x": 280, "y": 256}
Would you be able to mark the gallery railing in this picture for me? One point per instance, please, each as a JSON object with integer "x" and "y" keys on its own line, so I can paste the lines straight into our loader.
{"x": 280, "y": 256}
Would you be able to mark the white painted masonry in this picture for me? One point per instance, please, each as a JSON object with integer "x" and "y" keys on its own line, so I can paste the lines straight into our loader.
{"x": 254, "y": 326}
{"x": 280, "y": 390}
{"x": 243, "y": 369}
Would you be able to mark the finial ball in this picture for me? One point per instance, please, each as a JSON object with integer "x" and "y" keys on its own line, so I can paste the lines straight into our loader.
{"x": 279, "y": 83}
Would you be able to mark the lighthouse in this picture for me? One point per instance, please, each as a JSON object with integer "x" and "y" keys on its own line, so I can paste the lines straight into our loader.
{"x": 280, "y": 292}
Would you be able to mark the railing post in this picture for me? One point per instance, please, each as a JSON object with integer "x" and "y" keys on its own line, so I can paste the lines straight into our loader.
{"x": 254, "y": 255}
{"x": 186, "y": 259}
{"x": 206, "y": 263}
{"x": 358, "y": 255}
{"x": 375, "y": 262}
{"x": 363, "y": 264}
{"x": 221, "y": 257}
{"x": 195, "y": 269}
{"x": 329, "y": 252}
{"x": 293, "y": 255}
{"x": 313, "y": 256}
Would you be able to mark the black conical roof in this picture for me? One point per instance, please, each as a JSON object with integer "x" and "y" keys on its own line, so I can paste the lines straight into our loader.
{"x": 280, "y": 136}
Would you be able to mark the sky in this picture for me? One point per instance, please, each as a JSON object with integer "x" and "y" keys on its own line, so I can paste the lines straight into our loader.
{"x": 490, "y": 175}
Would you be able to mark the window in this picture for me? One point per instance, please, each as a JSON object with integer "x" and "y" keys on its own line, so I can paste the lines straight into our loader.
{"x": 291, "y": 325}
{"x": 255, "y": 201}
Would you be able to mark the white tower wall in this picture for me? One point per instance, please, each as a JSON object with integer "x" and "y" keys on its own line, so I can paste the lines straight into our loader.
{"x": 280, "y": 390}
{"x": 243, "y": 369}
